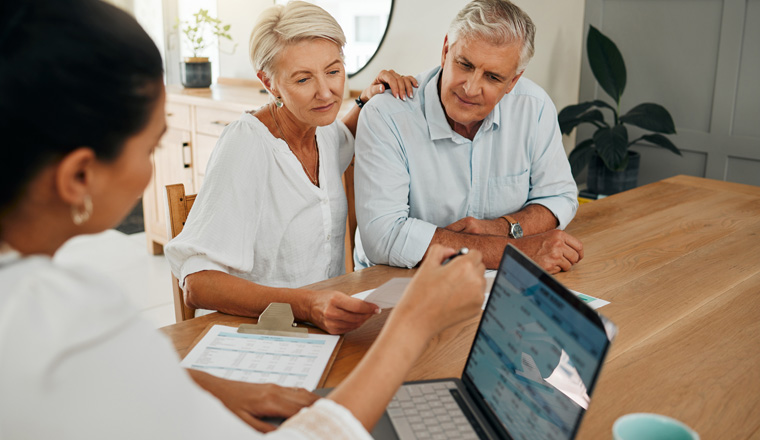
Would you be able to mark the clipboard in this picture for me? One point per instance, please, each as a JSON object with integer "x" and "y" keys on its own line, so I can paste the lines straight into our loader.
{"x": 276, "y": 321}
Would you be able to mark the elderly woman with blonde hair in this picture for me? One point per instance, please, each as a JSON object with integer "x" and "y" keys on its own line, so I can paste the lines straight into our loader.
{"x": 271, "y": 215}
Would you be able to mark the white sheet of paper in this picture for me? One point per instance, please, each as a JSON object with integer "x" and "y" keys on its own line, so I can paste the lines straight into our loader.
{"x": 286, "y": 361}
{"x": 389, "y": 294}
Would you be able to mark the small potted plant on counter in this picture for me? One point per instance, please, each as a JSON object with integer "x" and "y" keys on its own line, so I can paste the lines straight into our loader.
{"x": 200, "y": 34}
{"x": 612, "y": 166}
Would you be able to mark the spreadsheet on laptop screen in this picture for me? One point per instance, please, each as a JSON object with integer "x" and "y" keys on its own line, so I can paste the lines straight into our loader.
{"x": 535, "y": 357}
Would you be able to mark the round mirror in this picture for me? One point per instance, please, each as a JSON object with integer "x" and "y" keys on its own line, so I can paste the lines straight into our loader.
{"x": 364, "y": 22}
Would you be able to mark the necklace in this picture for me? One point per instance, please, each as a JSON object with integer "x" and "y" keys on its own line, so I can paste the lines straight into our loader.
{"x": 313, "y": 180}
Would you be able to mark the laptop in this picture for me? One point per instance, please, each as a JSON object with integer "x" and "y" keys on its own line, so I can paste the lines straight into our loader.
{"x": 532, "y": 367}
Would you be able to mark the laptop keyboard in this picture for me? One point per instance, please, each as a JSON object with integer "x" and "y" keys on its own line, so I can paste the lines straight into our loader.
{"x": 429, "y": 411}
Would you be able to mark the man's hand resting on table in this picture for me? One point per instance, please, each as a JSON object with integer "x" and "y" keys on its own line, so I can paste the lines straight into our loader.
{"x": 554, "y": 250}
{"x": 251, "y": 401}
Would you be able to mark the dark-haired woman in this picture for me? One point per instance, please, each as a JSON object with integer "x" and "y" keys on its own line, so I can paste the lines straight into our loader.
{"x": 81, "y": 110}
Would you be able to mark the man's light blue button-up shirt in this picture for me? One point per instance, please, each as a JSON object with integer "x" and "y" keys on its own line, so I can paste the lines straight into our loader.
{"x": 414, "y": 173}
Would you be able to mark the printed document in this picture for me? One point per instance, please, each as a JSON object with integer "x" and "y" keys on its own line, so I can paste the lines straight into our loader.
{"x": 286, "y": 361}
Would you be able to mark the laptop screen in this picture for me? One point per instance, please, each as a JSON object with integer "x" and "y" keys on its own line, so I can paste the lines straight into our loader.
{"x": 537, "y": 353}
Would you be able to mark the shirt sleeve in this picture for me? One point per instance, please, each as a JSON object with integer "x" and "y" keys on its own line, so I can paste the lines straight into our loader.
{"x": 224, "y": 221}
{"x": 388, "y": 234}
{"x": 345, "y": 145}
{"x": 551, "y": 180}
{"x": 325, "y": 420}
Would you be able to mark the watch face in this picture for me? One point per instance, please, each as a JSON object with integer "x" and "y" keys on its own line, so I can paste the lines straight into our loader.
{"x": 516, "y": 231}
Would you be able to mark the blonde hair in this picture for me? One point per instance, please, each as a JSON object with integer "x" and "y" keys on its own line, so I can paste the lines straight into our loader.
{"x": 497, "y": 21}
{"x": 280, "y": 26}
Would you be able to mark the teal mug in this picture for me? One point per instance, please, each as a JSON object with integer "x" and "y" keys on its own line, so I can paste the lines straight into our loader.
{"x": 645, "y": 426}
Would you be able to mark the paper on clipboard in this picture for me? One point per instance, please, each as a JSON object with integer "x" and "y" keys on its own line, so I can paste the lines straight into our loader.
{"x": 257, "y": 358}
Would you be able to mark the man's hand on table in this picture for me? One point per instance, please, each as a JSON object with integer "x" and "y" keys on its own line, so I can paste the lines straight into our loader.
{"x": 554, "y": 250}
{"x": 252, "y": 401}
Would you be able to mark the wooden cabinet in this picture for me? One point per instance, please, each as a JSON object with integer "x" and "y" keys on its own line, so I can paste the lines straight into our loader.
{"x": 169, "y": 166}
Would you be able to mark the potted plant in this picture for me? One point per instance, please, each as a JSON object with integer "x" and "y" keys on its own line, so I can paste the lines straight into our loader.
{"x": 612, "y": 166}
{"x": 200, "y": 34}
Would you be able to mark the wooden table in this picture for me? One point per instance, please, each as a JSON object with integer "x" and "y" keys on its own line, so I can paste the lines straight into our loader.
{"x": 679, "y": 260}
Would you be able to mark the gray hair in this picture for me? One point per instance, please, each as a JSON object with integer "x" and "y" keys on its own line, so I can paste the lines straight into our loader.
{"x": 280, "y": 26}
{"x": 497, "y": 21}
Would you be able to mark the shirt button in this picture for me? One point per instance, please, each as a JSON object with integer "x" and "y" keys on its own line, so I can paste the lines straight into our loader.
{"x": 329, "y": 236}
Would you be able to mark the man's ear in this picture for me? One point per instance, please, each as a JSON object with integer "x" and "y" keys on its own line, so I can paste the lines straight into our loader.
{"x": 266, "y": 81}
{"x": 445, "y": 50}
{"x": 74, "y": 176}
{"x": 513, "y": 82}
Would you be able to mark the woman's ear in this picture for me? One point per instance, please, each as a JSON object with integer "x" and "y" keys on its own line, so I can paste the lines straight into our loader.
{"x": 74, "y": 176}
{"x": 266, "y": 81}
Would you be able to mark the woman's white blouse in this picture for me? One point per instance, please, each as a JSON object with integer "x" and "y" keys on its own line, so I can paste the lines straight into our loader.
{"x": 76, "y": 362}
{"x": 257, "y": 215}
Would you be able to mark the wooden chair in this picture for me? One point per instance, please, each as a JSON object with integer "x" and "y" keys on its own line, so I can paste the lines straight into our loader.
{"x": 177, "y": 210}
{"x": 348, "y": 186}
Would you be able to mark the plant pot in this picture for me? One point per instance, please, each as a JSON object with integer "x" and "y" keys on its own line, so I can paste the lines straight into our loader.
{"x": 195, "y": 72}
{"x": 602, "y": 180}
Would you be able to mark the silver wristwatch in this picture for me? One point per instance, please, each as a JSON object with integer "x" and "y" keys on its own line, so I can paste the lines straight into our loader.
{"x": 515, "y": 230}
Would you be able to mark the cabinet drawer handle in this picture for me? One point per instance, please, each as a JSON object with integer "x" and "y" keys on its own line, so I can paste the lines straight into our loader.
{"x": 187, "y": 155}
{"x": 220, "y": 123}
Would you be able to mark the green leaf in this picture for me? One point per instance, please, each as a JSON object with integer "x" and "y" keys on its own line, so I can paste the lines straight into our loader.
{"x": 651, "y": 117}
{"x": 591, "y": 116}
{"x": 612, "y": 146}
{"x": 663, "y": 142}
{"x": 573, "y": 111}
{"x": 580, "y": 156}
{"x": 606, "y": 63}
{"x": 600, "y": 103}
{"x": 226, "y": 27}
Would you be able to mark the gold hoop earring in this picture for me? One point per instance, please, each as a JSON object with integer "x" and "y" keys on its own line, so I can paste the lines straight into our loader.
{"x": 80, "y": 216}
{"x": 278, "y": 102}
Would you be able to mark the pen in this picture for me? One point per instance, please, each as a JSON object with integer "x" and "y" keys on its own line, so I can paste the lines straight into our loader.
{"x": 462, "y": 251}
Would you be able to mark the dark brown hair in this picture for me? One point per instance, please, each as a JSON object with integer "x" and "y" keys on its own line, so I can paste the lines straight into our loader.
{"x": 73, "y": 73}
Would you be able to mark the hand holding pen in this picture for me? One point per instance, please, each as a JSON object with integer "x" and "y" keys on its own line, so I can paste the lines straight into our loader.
{"x": 462, "y": 251}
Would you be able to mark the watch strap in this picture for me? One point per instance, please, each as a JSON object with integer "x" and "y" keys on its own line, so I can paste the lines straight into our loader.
{"x": 511, "y": 220}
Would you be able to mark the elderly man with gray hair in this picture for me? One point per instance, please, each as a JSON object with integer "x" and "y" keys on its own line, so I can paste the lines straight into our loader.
{"x": 474, "y": 160}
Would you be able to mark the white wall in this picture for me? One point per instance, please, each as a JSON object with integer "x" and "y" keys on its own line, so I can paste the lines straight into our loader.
{"x": 150, "y": 16}
{"x": 415, "y": 37}
{"x": 241, "y": 15}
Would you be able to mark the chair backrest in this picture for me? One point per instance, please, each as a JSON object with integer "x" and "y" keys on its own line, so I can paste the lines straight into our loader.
{"x": 348, "y": 186}
{"x": 178, "y": 208}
